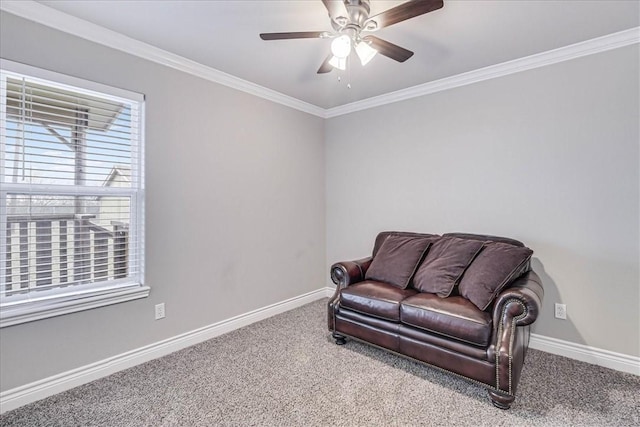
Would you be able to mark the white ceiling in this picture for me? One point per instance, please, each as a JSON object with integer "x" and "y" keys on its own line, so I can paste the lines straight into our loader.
{"x": 464, "y": 35}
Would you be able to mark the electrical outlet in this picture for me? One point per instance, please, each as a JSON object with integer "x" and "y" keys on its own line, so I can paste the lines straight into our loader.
{"x": 159, "y": 311}
{"x": 561, "y": 311}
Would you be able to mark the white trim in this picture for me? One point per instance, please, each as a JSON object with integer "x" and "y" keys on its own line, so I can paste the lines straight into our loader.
{"x": 584, "y": 353}
{"x": 19, "y": 396}
{"x": 45, "y": 15}
{"x": 70, "y": 83}
{"x": 29, "y": 307}
{"x": 3, "y": 194}
{"x": 69, "y": 24}
{"x": 566, "y": 53}
{"x": 39, "y": 310}
{"x": 67, "y": 190}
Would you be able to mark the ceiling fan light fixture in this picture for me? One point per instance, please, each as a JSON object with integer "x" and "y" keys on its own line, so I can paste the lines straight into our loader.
{"x": 339, "y": 63}
{"x": 365, "y": 52}
{"x": 341, "y": 46}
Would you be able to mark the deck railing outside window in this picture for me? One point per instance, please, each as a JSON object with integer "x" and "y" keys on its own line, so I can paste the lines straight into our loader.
{"x": 53, "y": 251}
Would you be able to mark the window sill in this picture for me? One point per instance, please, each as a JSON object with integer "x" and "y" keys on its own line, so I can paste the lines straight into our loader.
{"x": 28, "y": 312}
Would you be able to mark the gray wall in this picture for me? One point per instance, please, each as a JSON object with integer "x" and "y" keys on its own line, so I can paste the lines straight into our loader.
{"x": 235, "y": 210}
{"x": 549, "y": 156}
{"x": 236, "y": 194}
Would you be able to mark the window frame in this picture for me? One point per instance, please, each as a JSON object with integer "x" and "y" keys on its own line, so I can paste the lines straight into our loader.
{"x": 55, "y": 302}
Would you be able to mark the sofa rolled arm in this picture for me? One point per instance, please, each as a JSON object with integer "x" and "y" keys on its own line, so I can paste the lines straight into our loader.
{"x": 515, "y": 308}
{"x": 346, "y": 273}
{"x": 343, "y": 274}
{"x": 521, "y": 301}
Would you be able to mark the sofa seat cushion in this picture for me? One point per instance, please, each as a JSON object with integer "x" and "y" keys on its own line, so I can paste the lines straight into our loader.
{"x": 454, "y": 317}
{"x": 375, "y": 299}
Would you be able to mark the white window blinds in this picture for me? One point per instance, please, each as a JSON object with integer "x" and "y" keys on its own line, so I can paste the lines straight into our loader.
{"x": 71, "y": 195}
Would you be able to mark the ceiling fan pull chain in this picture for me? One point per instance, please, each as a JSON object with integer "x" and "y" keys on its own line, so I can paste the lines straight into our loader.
{"x": 349, "y": 72}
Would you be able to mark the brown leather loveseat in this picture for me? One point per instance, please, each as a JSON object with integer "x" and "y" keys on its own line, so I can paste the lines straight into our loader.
{"x": 460, "y": 302}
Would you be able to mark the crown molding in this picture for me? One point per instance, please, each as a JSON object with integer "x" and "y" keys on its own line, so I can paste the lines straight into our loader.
{"x": 44, "y": 15}
{"x": 577, "y": 50}
{"x": 50, "y": 17}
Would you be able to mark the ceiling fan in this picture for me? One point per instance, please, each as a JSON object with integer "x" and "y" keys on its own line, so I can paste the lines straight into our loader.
{"x": 351, "y": 22}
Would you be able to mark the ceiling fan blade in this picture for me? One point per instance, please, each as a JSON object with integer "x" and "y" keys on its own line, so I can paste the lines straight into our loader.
{"x": 390, "y": 50}
{"x": 405, "y": 11}
{"x": 326, "y": 67}
{"x": 336, "y": 8}
{"x": 299, "y": 35}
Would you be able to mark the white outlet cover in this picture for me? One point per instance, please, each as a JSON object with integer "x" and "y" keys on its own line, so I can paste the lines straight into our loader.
{"x": 159, "y": 311}
{"x": 561, "y": 311}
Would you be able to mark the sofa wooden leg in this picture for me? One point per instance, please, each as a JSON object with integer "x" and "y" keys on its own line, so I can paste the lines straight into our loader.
{"x": 501, "y": 400}
{"x": 340, "y": 339}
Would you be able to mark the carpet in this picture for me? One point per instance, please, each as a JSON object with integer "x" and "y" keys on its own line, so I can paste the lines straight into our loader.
{"x": 287, "y": 371}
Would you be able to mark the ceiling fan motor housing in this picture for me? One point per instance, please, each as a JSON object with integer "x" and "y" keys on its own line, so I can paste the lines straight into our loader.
{"x": 358, "y": 11}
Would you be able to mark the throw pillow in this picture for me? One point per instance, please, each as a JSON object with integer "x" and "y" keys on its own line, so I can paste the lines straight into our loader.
{"x": 493, "y": 269}
{"x": 397, "y": 259}
{"x": 444, "y": 265}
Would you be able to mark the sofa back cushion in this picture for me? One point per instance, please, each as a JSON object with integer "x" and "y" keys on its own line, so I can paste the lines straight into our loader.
{"x": 485, "y": 238}
{"x": 397, "y": 259}
{"x": 446, "y": 261}
{"x": 382, "y": 236}
{"x": 495, "y": 267}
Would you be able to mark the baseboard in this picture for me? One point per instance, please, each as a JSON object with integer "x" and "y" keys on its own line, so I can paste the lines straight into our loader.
{"x": 19, "y": 396}
{"x": 595, "y": 356}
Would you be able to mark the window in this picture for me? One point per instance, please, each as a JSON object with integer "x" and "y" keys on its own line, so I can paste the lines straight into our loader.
{"x": 71, "y": 194}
